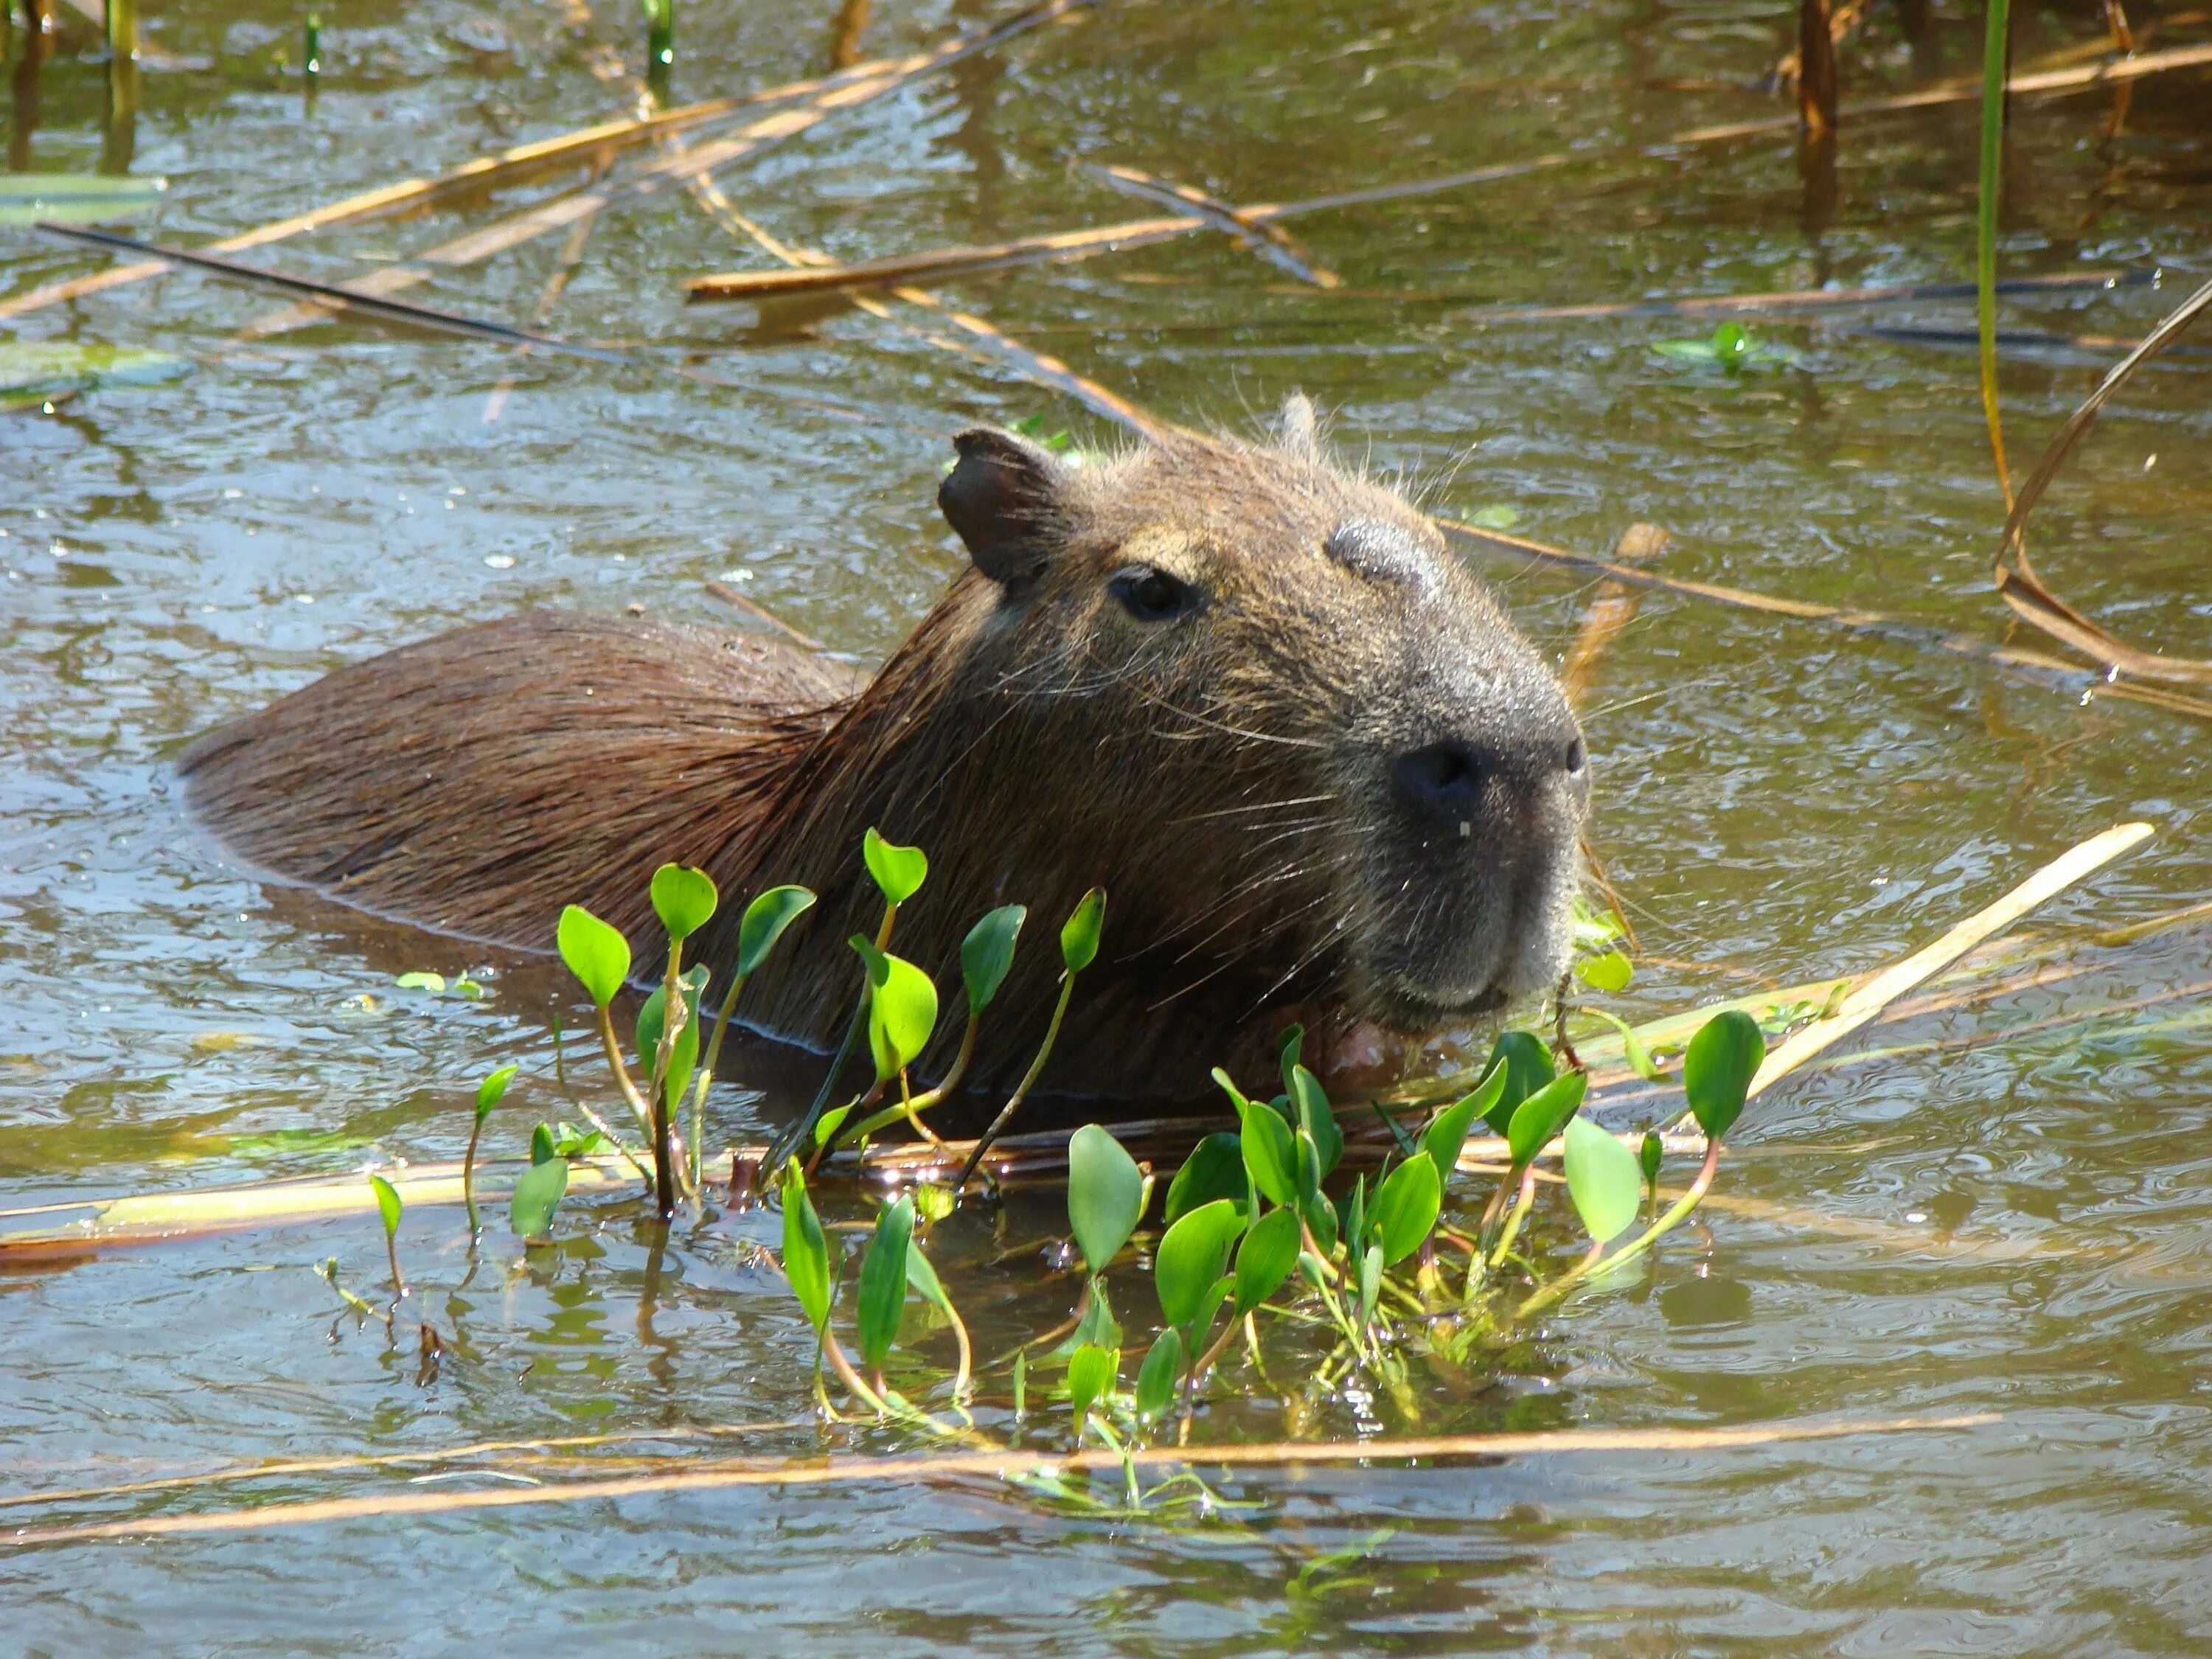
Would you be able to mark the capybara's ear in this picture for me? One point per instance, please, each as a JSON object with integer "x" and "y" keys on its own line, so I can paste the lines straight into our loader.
{"x": 1004, "y": 497}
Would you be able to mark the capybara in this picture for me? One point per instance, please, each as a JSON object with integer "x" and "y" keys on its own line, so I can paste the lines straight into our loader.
{"x": 1247, "y": 692}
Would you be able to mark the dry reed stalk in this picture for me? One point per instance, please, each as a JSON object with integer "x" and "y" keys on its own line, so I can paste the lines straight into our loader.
{"x": 1815, "y": 69}
{"x": 564, "y": 267}
{"x": 486, "y": 173}
{"x": 1067, "y": 246}
{"x": 1611, "y": 610}
{"x": 2016, "y": 582}
{"x": 836, "y": 93}
{"x": 289, "y": 1469}
{"x": 724, "y": 1475}
{"x": 2031, "y": 665}
{"x": 730, "y": 596}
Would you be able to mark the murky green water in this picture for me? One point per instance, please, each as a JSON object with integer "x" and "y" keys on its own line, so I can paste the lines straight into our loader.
{"x": 2020, "y": 1226}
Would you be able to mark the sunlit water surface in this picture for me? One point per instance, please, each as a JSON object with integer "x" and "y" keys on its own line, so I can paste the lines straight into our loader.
{"x": 2018, "y": 1226}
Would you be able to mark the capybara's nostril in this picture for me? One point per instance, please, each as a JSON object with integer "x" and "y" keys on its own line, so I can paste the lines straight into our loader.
{"x": 1574, "y": 755}
{"x": 1441, "y": 780}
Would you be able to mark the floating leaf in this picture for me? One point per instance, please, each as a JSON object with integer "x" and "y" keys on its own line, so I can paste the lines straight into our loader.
{"x": 1540, "y": 1117}
{"x": 537, "y": 1194}
{"x": 1157, "y": 1376}
{"x": 1215, "y": 1169}
{"x": 805, "y": 1248}
{"x": 1717, "y": 1068}
{"x": 902, "y": 1010}
{"x": 1105, "y": 1194}
{"x": 765, "y": 918}
{"x": 683, "y": 897}
{"x": 1527, "y": 1068}
{"x": 1729, "y": 347}
{"x": 1190, "y": 1258}
{"x": 1495, "y": 516}
{"x": 1602, "y": 1179}
{"x": 899, "y": 870}
{"x": 388, "y": 1203}
{"x": 30, "y": 372}
{"x": 1264, "y": 1258}
{"x": 1609, "y": 972}
{"x": 1090, "y": 1376}
{"x": 1316, "y": 1118}
{"x": 421, "y": 982}
{"x": 1448, "y": 1131}
{"x": 1405, "y": 1208}
{"x": 597, "y": 954}
{"x": 880, "y": 1306}
{"x": 988, "y": 951}
{"x": 76, "y": 199}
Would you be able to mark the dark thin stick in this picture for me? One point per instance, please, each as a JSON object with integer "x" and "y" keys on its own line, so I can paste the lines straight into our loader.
{"x": 329, "y": 293}
{"x": 1816, "y": 70}
{"x": 1269, "y": 242}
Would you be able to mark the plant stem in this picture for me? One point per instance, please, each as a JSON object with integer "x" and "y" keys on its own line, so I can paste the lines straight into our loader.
{"x": 1997, "y": 44}
{"x": 624, "y": 1081}
{"x": 1650, "y": 1236}
{"x": 1521, "y": 1203}
{"x": 391, "y": 1255}
{"x": 469, "y": 1174}
{"x": 795, "y": 1136}
{"x": 707, "y": 1076}
{"x": 1029, "y": 1080}
{"x": 922, "y": 1101}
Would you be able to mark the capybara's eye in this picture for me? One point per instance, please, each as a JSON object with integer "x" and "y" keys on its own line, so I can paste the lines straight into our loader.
{"x": 1152, "y": 595}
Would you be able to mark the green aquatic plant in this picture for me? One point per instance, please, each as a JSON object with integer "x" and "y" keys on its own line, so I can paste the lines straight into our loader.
{"x": 489, "y": 1094}
{"x": 388, "y": 1210}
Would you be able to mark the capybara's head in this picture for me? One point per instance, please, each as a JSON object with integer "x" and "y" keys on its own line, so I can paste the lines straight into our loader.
{"x": 1256, "y": 695}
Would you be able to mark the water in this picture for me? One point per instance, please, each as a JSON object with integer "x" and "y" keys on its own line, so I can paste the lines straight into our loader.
{"x": 2019, "y": 1226}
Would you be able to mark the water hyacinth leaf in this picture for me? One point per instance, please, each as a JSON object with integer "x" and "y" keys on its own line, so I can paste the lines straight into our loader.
{"x": 76, "y": 199}
{"x": 683, "y": 1054}
{"x": 1289, "y": 1050}
{"x": 1602, "y": 1179}
{"x": 825, "y": 1131}
{"x": 30, "y": 372}
{"x": 880, "y": 1306}
{"x": 1717, "y": 1068}
{"x": 1351, "y": 1212}
{"x": 1649, "y": 1153}
{"x": 987, "y": 953}
{"x": 537, "y": 1195}
{"x": 1405, "y": 1208}
{"x": 489, "y": 1091}
{"x": 388, "y": 1203}
{"x": 683, "y": 897}
{"x": 1264, "y": 1258}
{"x": 1215, "y": 1169}
{"x": 764, "y": 921}
{"x": 597, "y": 954}
{"x": 1269, "y": 1157}
{"x": 921, "y": 1278}
{"x": 1308, "y": 1157}
{"x": 1078, "y": 934}
{"x": 570, "y": 1141}
{"x": 1527, "y": 1065}
{"x": 899, "y": 872}
{"x": 1090, "y": 1376}
{"x": 1097, "y": 1324}
{"x": 1317, "y": 1119}
{"x": 1105, "y": 1195}
{"x": 1320, "y": 1221}
{"x": 1542, "y": 1115}
{"x": 543, "y": 1147}
{"x": 1497, "y": 515}
{"x": 1370, "y": 1281}
{"x": 421, "y": 982}
{"x": 1157, "y": 1376}
{"x": 805, "y": 1248}
{"x": 902, "y": 1014}
{"x": 1631, "y": 1045}
{"x": 1609, "y": 972}
{"x": 1448, "y": 1131}
{"x": 1190, "y": 1258}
